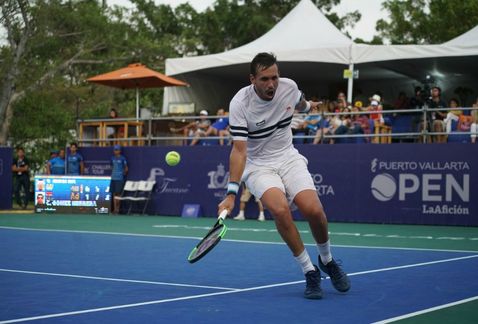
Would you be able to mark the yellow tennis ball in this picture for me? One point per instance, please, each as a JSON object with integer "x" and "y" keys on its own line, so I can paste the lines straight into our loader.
{"x": 173, "y": 158}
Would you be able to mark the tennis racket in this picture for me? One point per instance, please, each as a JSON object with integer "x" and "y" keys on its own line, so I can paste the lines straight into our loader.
{"x": 215, "y": 234}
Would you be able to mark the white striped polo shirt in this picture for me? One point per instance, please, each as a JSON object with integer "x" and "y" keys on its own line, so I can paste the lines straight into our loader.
{"x": 265, "y": 125}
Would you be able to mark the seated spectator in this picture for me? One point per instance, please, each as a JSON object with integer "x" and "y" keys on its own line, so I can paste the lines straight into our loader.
{"x": 453, "y": 115}
{"x": 218, "y": 128}
{"x": 402, "y": 101}
{"x": 297, "y": 123}
{"x": 361, "y": 121}
{"x": 474, "y": 118}
{"x": 311, "y": 122}
{"x": 375, "y": 107}
{"x": 191, "y": 128}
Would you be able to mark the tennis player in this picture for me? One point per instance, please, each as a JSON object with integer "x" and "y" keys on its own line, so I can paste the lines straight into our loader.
{"x": 265, "y": 159}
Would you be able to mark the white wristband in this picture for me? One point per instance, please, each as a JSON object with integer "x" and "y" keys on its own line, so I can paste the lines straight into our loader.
{"x": 307, "y": 106}
{"x": 232, "y": 188}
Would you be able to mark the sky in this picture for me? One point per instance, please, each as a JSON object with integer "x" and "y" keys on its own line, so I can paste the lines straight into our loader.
{"x": 364, "y": 29}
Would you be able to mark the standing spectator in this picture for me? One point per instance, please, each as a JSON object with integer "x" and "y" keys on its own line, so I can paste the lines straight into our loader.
{"x": 245, "y": 197}
{"x": 437, "y": 117}
{"x": 119, "y": 170}
{"x": 56, "y": 165}
{"x": 21, "y": 177}
{"x": 75, "y": 165}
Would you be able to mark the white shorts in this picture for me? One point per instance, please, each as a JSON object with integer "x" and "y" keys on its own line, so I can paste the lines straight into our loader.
{"x": 291, "y": 177}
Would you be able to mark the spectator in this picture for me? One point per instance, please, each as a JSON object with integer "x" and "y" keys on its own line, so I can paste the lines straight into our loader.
{"x": 111, "y": 131}
{"x": 56, "y": 165}
{"x": 437, "y": 117}
{"x": 245, "y": 197}
{"x": 21, "y": 177}
{"x": 328, "y": 129}
{"x": 312, "y": 122}
{"x": 119, "y": 170}
{"x": 297, "y": 123}
{"x": 75, "y": 165}
{"x": 361, "y": 121}
{"x": 191, "y": 128}
{"x": 375, "y": 107}
{"x": 297, "y": 127}
{"x": 218, "y": 128}
{"x": 402, "y": 101}
{"x": 417, "y": 101}
{"x": 342, "y": 99}
{"x": 474, "y": 115}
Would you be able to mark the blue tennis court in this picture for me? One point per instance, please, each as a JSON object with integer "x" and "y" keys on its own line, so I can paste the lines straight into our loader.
{"x": 79, "y": 276}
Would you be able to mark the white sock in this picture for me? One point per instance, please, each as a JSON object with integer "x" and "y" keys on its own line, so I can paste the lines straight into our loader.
{"x": 261, "y": 214}
{"x": 304, "y": 261}
{"x": 241, "y": 213}
{"x": 324, "y": 252}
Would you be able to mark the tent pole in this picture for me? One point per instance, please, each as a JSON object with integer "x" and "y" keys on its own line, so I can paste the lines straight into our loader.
{"x": 137, "y": 103}
{"x": 350, "y": 84}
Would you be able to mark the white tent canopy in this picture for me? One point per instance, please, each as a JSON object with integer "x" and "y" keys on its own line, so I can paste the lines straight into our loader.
{"x": 312, "y": 51}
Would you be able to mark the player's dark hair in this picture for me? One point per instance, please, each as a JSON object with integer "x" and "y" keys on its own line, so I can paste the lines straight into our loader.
{"x": 262, "y": 61}
{"x": 19, "y": 148}
{"x": 74, "y": 144}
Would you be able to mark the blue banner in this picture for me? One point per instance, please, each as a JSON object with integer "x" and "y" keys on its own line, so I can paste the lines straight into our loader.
{"x": 394, "y": 184}
{"x": 6, "y": 158}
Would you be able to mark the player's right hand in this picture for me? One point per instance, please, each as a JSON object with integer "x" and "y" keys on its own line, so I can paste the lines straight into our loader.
{"x": 226, "y": 203}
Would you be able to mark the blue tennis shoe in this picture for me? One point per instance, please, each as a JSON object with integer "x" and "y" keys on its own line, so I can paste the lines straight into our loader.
{"x": 339, "y": 278}
{"x": 312, "y": 280}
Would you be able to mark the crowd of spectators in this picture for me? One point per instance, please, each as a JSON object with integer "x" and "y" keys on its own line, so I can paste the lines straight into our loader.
{"x": 361, "y": 121}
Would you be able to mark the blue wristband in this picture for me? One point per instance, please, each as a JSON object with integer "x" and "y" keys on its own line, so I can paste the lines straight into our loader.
{"x": 232, "y": 188}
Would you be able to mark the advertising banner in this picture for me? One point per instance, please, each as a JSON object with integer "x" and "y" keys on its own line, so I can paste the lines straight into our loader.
{"x": 401, "y": 184}
{"x": 6, "y": 158}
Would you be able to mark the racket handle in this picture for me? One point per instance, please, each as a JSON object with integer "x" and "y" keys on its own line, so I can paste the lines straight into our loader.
{"x": 223, "y": 214}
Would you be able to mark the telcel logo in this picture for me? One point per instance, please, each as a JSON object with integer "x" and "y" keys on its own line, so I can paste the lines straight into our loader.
{"x": 433, "y": 186}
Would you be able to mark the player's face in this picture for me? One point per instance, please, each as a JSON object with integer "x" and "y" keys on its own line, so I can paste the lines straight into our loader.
{"x": 266, "y": 81}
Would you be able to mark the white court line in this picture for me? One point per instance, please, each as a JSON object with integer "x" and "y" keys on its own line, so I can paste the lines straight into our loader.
{"x": 161, "y": 301}
{"x": 228, "y": 240}
{"x": 424, "y": 311}
{"x": 114, "y": 279}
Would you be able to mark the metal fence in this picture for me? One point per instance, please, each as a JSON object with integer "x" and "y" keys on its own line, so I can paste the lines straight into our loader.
{"x": 157, "y": 130}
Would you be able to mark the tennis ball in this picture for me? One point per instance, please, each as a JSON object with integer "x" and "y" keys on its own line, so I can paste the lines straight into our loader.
{"x": 172, "y": 158}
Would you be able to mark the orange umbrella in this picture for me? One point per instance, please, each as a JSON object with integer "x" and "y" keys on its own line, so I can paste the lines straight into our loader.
{"x": 136, "y": 76}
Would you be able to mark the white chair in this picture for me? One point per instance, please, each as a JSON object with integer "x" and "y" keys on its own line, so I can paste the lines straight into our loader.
{"x": 129, "y": 193}
{"x": 144, "y": 192}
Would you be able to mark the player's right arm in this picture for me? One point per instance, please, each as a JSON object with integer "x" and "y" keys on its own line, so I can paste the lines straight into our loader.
{"x": 237, "y": 159}
{"x": 237, "y": 163}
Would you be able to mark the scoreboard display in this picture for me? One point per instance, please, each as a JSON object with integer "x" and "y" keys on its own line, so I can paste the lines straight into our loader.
{"x": 72, "y": 194}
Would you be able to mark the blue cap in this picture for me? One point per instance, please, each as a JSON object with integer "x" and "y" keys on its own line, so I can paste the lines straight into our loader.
{"x": 117, "y": 147}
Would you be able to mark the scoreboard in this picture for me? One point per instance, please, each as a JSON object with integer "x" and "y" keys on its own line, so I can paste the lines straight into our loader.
{"x": 72, "y": 194}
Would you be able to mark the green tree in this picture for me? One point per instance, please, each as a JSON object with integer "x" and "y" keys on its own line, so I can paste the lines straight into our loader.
{"x": 427, "y": 21}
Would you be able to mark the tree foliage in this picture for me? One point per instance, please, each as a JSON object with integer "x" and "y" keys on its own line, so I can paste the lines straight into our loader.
{"x": 427, "y": 21}
{"x": 51, "y": 47}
